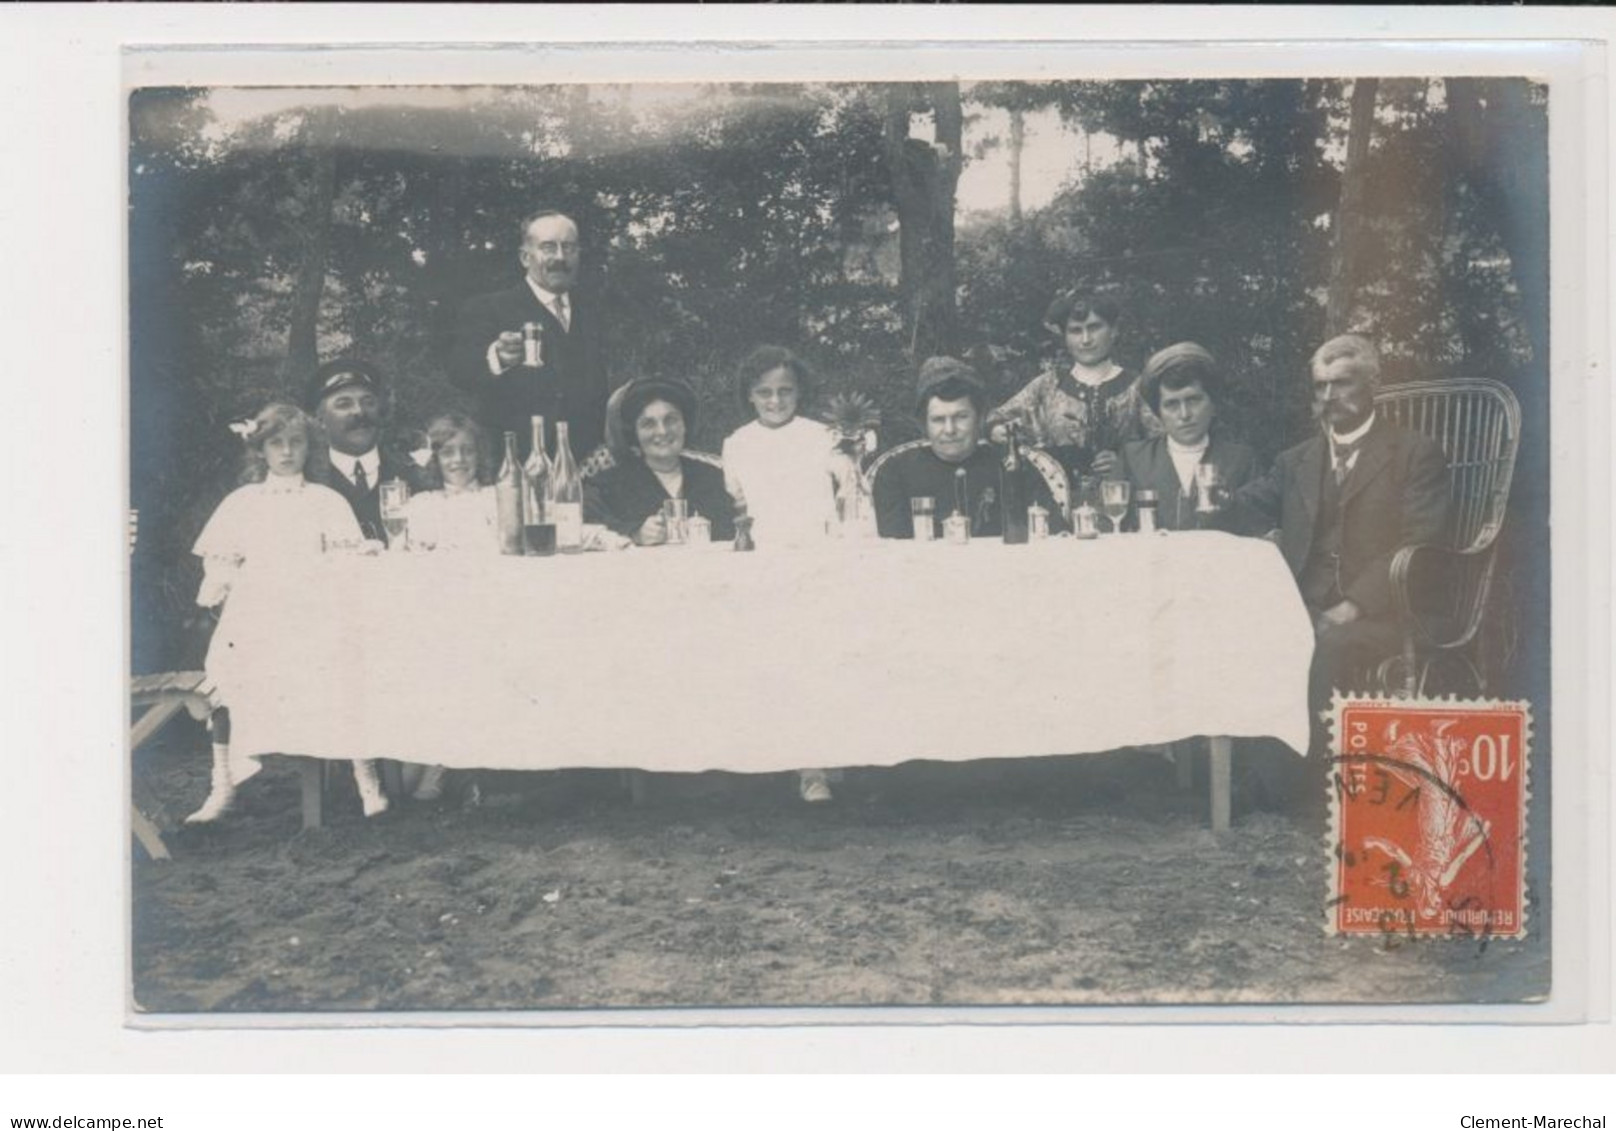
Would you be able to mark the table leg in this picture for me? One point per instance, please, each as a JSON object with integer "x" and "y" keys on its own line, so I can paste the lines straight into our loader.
{"x": 1184, "y": 762}
{"x": 639, "y": 786}
{"x": 1220, "y": 757}
{"x": 146, "y": 833}
{"x": 392, "y": 774}
{"x": 312, "y": 772}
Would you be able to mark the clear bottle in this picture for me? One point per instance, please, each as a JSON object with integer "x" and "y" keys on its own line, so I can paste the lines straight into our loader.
{"x": 540, "y": 524}
{"x": 566, "y": 498}
{"x": 1013, "y": 490}
{"x": 508, "y": 492}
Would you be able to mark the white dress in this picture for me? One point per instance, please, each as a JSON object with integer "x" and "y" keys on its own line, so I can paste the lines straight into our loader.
{"x": 784, "y": 478}
{"x": 255, "y": 529}
{"x": 455, "y": 520}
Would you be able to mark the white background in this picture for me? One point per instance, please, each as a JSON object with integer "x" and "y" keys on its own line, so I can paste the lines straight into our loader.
{"x": 63, "y": 954}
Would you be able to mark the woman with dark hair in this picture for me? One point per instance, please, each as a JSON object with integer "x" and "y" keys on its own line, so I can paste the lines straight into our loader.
{"x": 1182, "y": 385}
{"x": 653, "y": 417}
{"x": 1081, "y": 413}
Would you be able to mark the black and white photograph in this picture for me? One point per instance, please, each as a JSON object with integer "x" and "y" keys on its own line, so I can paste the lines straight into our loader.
{"x": 630, "y": 545}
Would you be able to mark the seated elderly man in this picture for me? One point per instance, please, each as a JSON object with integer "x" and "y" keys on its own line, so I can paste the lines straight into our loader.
{"x": 953, "y": 406}
{"x": 1340, "y": 504}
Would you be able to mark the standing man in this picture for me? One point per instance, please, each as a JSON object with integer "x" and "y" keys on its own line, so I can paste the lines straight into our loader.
{"x": 345, "y": 396}
{"x": 1344, "y": 502}
{"x": 564, "y": 378}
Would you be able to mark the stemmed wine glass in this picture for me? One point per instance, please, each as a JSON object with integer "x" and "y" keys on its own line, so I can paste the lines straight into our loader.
{"x": 1115, "y": 493}
{"x": 395, "y": 498}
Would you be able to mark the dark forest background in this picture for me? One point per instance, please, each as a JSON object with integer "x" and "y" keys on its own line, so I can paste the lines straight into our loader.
{"x": 1256, "y": 217}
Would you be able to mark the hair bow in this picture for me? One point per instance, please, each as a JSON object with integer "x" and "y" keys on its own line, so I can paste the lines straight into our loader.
{"x": 245, "y": 429}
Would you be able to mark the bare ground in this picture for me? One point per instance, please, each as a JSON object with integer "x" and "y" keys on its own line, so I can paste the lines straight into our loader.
{"x": 1049, "y": 881}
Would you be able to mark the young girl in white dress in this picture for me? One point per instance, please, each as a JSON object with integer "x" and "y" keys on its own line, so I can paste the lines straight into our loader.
{"x": 780, "y": 469}
{"x": 274, "y": 519}
{"x": 461, "y": 516}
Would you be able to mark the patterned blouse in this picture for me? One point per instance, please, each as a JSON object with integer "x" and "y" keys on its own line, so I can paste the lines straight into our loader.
{"x": 1075, "y": 421}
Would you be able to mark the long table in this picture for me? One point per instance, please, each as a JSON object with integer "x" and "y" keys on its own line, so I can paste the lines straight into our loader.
{"x": 857, "y": 653}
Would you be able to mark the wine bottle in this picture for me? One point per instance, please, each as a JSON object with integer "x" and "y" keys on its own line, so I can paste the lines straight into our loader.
{"x": 508, "y": 490}
{"x": 566, "y": 498}
{"x": 540, "y": 524}
{"x": 1013, "y": 491}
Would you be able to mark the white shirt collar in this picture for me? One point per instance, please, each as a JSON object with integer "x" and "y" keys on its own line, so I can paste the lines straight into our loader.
{"x": 371, "y": 461}
{"x": 1355, "y": 435}
{"x": 548, "y": 298}
{"x": 1185, "y": 460}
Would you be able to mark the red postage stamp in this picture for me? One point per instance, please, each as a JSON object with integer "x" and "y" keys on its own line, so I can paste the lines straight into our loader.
{"x": 1428, "y": 804}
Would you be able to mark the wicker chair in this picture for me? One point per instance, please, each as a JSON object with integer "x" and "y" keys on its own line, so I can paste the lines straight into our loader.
{"x": 1060, "y": 487}
{"x": 1441, "y": 591}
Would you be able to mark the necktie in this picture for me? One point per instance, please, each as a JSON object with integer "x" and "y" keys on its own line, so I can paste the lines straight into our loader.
{"x": 1343, "y": 454}
{"x": 361, "y": 480}
{"x": 562, "y": 312}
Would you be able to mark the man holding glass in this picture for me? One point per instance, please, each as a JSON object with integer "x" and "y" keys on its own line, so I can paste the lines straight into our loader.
{"x": 345, "y": 396}
{"x": 955, "y": 472}
{"x": 535, "y": 349}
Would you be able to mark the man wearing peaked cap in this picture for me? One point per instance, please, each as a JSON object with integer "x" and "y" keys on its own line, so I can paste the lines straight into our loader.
{"x": 346, "y": 396}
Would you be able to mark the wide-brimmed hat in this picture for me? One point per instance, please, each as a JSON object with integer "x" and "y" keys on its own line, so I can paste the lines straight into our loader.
{"x": 341, "y": 373}
{"x": 624, "y": 406}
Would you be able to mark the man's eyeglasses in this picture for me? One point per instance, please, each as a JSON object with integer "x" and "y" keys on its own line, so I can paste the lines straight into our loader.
{"x": 550, "y": 247}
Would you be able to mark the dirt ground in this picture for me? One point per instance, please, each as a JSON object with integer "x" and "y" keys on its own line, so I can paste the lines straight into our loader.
{"x": 1042, "y": 881}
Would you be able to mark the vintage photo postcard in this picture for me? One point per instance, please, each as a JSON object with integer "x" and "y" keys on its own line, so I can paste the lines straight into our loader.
{"x": 1042, "y": 533}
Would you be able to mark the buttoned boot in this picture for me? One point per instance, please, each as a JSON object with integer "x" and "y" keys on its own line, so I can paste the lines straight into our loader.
{"x": 371, "y": 796}
{"x": 222, "y": 792}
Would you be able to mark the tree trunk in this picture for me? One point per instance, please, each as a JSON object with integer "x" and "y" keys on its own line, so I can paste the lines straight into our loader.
{"x": 1349, "y": 212}
{"x": 1018, "y": 141}
{"x": 924, "y": 182}
{"x": 302, "y": 341}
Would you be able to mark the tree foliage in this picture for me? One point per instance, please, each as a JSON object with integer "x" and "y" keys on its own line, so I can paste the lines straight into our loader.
{"x": 817, "y": 216}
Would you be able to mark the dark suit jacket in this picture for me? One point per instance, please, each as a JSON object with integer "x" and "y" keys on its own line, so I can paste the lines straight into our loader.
{"x": 367, "y": 506}
{"x": 1149, "y": 467}
{"x": 1397, "y": 494}
{"x": 571, "y": 385}
{"x": 623, "y": 497}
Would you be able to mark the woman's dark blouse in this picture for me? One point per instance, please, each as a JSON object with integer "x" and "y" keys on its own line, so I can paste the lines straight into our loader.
{"x": 623, "y": 497}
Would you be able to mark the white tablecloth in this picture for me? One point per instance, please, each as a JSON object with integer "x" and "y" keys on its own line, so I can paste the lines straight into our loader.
{"x": 863, "y": 653}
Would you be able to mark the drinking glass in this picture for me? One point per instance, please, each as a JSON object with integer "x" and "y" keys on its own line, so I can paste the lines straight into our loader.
{"x": 675, "y": 515}
{"x": 1115, "y": 494}
{"x": 922, "y": 512}
{"x": 395, "y": 499}
{"x": 1208, "y": 485}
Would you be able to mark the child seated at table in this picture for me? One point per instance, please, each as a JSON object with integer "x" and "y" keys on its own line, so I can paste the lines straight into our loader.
{"x": 274, "y": 518}
{"x": 459, "y": 513}
{"x": 779, "y": 467}
{"x": 460, "y": 516}
{"x": 779, "y": 470}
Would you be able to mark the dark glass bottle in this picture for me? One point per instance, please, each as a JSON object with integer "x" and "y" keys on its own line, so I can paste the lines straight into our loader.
{"x": 1013, "y": 494}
